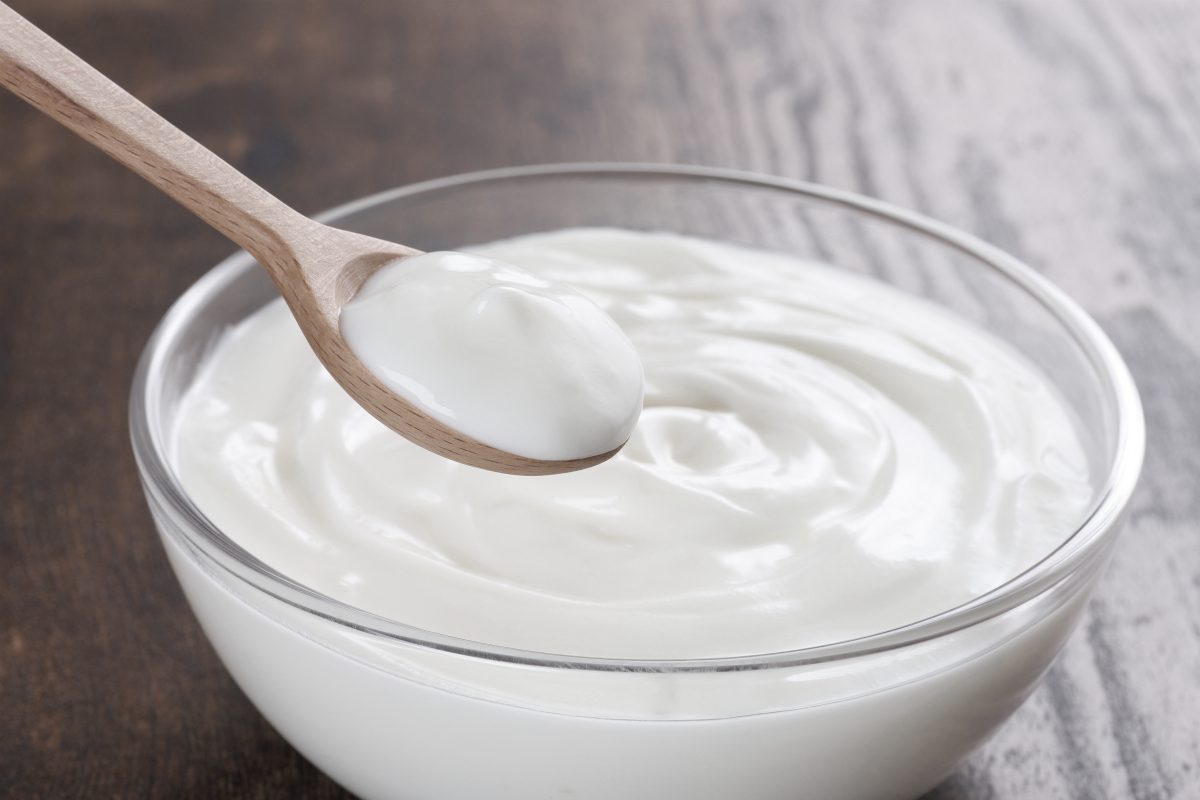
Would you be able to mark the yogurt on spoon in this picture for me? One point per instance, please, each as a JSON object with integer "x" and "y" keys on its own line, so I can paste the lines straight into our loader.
{"x": 515, "y": 361}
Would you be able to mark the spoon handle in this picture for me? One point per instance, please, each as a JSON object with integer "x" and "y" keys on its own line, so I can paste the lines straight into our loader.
{"x": 59, "y": 83}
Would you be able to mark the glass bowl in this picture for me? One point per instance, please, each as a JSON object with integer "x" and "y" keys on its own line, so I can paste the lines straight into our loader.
{"x": 390, "y": 710}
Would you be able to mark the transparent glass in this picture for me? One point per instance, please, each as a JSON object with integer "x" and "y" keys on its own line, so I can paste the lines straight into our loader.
{"x": 966, "y": 668}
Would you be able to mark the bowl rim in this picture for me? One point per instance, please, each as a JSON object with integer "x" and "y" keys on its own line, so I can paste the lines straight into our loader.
{"x": 204, "y": 539}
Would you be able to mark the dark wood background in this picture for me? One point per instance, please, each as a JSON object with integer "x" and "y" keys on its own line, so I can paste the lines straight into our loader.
{"x": 1066, "y": 132}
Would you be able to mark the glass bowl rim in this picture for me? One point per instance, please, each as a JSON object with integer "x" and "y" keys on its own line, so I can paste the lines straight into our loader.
{"x": 1077, "y": 549}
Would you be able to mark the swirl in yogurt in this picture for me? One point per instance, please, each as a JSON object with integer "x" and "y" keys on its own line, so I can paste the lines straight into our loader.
{"x": 819, "y": 457}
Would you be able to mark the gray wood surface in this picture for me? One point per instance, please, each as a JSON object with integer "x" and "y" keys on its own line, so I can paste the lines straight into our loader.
{"x": 1066, "y": 132}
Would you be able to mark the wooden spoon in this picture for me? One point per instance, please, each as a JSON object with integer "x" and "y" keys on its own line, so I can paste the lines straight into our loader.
{"x": 316, "y": 267}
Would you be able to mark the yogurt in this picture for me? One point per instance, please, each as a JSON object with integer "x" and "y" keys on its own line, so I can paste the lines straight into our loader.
{"x": 819, "y": 457}
{"x": 515, "y": 361}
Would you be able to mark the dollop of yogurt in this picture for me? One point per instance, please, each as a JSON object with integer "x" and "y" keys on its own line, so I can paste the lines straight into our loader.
{"x": 820, "y": 457}
{"x": 515, "y": 361}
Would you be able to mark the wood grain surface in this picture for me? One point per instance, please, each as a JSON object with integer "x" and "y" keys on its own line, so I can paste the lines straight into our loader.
{"x": 1066, "y": 132}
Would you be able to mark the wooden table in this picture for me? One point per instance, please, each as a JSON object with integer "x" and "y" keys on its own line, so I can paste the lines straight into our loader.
{"x": 1065, "y": 132}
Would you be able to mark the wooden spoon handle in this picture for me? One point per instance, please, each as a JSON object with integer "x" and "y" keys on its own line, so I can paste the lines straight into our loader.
{"x": 59, "y": 83}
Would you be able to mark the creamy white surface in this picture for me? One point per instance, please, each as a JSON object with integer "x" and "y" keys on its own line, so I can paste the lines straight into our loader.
{"x": 517, "y": 362}
{"x": 819, "y": 457}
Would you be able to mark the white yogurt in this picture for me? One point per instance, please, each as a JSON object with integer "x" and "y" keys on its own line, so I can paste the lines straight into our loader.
{"x": 523, "y": 364}
{"x": 820, "y": 457}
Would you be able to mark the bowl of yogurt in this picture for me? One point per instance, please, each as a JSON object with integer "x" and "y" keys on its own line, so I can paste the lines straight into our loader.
{"x": 879, "y": 469}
